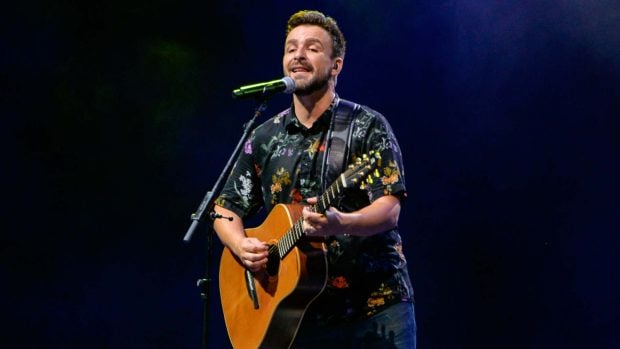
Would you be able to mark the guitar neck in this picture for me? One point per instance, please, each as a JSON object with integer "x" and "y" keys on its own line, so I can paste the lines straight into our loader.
{"x": 292, "y": 236}
{"x": 353, "y": 176}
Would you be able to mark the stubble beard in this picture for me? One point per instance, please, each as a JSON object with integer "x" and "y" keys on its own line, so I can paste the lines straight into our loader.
{"x": 316, "y": 83}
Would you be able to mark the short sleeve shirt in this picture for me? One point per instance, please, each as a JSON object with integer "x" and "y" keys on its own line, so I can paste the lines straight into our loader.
{"x": 282, "y": 161}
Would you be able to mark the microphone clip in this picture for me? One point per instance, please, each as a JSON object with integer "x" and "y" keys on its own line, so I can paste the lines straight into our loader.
{"x": 214, "y": 215}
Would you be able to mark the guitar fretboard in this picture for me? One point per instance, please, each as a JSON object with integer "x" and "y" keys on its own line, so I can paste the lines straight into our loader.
{"x": 292, "y": 236}
{"x": 354, "y": 175}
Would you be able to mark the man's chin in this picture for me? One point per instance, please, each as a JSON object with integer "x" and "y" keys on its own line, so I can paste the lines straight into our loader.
{"x": 300, "y": 82}
{"x": 303, "y": 91}
{"x": 308, "y": 88}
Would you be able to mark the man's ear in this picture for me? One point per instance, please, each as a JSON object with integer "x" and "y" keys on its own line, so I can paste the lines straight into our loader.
{"x": 337, "y": 67}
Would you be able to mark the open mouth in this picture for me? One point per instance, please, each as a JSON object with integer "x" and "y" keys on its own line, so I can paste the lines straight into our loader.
{"x": 300, "y": 70}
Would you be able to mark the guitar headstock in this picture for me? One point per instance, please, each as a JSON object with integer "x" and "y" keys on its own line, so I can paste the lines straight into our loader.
{"x": 363, "y": 170}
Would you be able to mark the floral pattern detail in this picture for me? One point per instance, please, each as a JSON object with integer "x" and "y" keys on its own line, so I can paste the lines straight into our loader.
{"x": 339, "y": 282}
{"x": 313, "y": 148}
{"x": 379, "y": 298}
{"x": 280, "y": 179}
{"x": 296, "y": 196}
{"x": 391, "y": 175}
{"x": 244, "y": 189}
{"x": 247, "y": 147}
{"x": 278, "y": 118}
{"x": 309, "y": 190}
{"x": 361, "y": 127}
{"x": 277, "y": 145}
{"x": 399, "y": 250}
{"x": 221, "y": 200}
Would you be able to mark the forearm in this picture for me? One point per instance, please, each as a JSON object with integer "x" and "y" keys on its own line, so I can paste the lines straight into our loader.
{"x": 252, "y": 252}
{"x": 230, "y": 232}
{"x": 379, "y": 216}
{"x": 375, "y": 218}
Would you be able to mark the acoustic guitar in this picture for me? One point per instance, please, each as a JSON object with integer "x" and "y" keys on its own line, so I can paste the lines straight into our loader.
{"x": 265, "y": 309}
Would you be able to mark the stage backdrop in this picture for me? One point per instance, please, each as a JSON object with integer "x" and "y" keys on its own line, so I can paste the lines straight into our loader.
{"x": 117, "y": 118}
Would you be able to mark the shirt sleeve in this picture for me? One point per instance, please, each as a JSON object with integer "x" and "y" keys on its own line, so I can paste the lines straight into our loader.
{"x": 390, "y": 179}
{"x": 242, "y": 190}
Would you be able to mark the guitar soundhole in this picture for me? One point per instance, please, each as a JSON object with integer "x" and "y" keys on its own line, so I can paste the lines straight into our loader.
{"x": 273, "y": 263}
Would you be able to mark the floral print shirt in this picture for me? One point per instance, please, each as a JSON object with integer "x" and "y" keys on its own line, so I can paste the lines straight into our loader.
{"x": 281, "y": 163}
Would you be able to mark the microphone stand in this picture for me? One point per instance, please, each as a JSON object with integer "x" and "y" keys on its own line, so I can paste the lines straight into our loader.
{"x": 207, "y": 206}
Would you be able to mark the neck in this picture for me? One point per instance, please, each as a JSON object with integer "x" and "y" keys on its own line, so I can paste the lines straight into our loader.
{"x": 310, "y": 107}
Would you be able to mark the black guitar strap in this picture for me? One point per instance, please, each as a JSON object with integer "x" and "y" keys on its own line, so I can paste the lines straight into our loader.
{"x": 336, "y": 157}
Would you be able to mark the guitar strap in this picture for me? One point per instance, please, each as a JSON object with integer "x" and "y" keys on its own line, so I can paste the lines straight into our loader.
{"x": 336, "y": 157}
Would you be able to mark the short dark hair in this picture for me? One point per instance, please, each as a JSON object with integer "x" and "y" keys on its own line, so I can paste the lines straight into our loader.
{"x": 325, "y": 22}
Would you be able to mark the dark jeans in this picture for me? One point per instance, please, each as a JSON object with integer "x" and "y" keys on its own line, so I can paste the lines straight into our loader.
{"x": 393, "y": 328}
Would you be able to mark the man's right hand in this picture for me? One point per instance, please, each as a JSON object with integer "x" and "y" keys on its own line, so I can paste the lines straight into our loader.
{"x": 252, "y": 253}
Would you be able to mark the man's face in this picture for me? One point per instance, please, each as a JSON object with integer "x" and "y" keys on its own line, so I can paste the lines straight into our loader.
{"x": 307, "y": 58}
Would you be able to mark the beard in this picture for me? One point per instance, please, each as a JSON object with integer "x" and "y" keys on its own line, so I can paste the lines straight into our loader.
{"x": 316, "y": 83}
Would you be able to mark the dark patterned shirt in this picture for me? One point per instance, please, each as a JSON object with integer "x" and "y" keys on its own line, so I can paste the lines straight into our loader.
{"x": 282, "y": 163}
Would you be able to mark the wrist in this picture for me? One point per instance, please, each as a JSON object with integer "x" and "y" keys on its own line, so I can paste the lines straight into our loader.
{"x": 235, "y": 246}
{"x": 348, "y": 222}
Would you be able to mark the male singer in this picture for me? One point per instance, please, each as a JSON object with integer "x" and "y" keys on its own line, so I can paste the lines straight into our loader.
{"x": 368, "y": 298}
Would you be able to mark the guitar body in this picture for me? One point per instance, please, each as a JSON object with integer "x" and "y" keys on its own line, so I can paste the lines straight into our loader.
{"x": 283, "y": 294}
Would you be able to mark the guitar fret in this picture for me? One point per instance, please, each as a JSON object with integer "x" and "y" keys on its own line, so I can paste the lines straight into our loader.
{"x": 294, "y": 232}
{"x": 289, "y": 239}
{"x": 299, "y": 229}
{"x": 288, "y": 242}
{"x": 285, "y": 244}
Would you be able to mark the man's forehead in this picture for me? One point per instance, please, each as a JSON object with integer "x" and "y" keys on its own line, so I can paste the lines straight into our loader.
{"x": 308, "y": 32}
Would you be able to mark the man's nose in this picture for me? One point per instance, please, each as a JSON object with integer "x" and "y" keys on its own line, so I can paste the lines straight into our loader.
{"x": 300, "y": 54}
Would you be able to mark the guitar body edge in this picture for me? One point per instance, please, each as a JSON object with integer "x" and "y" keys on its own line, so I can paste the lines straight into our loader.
{"x": 282, "y": 298}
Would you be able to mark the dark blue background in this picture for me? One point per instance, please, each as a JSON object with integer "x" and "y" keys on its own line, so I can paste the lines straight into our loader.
{"x": 117, "y": 118}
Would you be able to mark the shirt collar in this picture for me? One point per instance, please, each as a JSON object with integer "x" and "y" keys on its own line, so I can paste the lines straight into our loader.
{"x": 293, "y": 124}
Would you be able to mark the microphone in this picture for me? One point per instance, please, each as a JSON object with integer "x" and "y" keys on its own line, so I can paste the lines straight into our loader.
{"x": 265, "y": 89}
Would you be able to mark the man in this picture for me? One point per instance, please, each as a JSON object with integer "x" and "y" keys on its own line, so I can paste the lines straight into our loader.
{"x": 368, "y": 299}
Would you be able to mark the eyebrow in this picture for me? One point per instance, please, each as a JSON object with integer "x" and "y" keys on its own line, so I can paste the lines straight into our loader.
{"x": 308, "y": 41}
